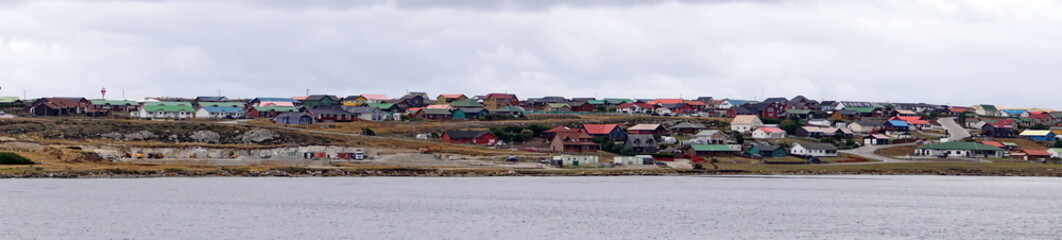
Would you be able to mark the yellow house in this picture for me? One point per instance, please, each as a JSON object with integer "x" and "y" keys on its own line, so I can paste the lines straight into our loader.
{"x": 449, "y": 98}
{"x": 361, "y": 100}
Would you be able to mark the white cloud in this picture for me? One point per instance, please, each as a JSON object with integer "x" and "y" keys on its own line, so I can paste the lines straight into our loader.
{"x": 959, "y": 52}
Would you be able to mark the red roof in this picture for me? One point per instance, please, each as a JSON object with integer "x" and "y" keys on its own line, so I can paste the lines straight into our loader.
{"x": 911, "y": 120}
{"x": 1040, "y": 116}
{"x": 959, "y": 109}
{"x": 771, "y": 129}
{"x": 455, "y": 95}
{"x": 695, "y": 103}
{"x": 640, "y": 105}
{"x": 599, "y": 128}
{"x": 668, "y": 100}
{"x": 1037, "y": 152}
{"x": 992, "y": 143}
{"x": 507, "y": 96}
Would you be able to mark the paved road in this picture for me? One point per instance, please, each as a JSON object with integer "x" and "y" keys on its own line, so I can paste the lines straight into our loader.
{"x": 868, "y": 152}
{"x": 956, "y": 132}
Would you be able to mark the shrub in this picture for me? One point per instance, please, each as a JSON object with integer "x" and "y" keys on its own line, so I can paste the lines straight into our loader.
{"x": 9, "y": 158}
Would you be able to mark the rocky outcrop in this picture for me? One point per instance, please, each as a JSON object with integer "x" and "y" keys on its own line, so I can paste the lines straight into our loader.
{"x": 258, "y": 136}
{"x": 205, "y": 136}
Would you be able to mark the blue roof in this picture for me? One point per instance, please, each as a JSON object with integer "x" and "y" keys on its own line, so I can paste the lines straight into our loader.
{"x": 224, "y": 109}
{"x": 1014, "y": 111}
{"x": 898, "y": 123}
{"x": 738, "y": 102}
{"x": 269, "y": 99}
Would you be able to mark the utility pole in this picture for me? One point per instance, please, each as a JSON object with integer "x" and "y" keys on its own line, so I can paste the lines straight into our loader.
{"x": 307, "y": 92}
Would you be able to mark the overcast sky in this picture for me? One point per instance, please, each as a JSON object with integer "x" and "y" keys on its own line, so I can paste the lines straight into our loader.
{"x": 958, "y": 52}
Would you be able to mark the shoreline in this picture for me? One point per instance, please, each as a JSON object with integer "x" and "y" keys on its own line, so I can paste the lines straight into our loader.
{"x": 439, "y": 172}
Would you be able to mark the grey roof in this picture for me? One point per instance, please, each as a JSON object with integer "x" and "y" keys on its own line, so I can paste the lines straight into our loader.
{"x": 361, "y": 109}
{"x": 292, "y": 114}
{"x": 319, "y": 97}
{"x": 686, "y": 125}
{"x": 465, "y": 134}
{"x": 857, "y": 104}
{"x": 705, "y": 99}
{"x": 818, "y": 146}
{"x": 471, "y": 109}
{"x": 211, "y": 98}
{"x": 776, "y": 99}
{"x": 742, "y": 110}
{"x": 640, "y": 140}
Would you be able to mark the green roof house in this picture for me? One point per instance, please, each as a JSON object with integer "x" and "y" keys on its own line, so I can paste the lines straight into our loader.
{"x": 960, "y": 149}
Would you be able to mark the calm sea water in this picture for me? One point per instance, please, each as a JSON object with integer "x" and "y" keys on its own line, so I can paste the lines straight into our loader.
{"x": 746, "y": 207}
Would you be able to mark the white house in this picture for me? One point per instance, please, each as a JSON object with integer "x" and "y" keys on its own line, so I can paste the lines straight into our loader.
{"x": 576, "y": 160}
{"x": 1055, "y": 152}
{"x": 710, "y": 137}
{"x": 865, "y": 126}
{"x": 768, "y": 133}
{"x": 813, "y": 149}
{"x": 367, "y": 113}
{"x": 220, "y": 112}
{"x": 820, "y": 122}
{"x": 745, "y": 123}
{"x": 633, "y": 161}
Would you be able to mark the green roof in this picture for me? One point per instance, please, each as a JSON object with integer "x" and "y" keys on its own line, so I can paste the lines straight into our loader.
{"x": 383, "y": 106}
{"x": 8, "y": 99}
{"x": 621, "y": 100}
{"x": 990, "y": 108}
{"x": 1010, "y": 144}
{"x": 166, "y": 103}
{"x": 711, "y": 148}
{"x": 168, "y": 108}
{"x": 276, "y": 108}
{"x": 960, "y": 146}
{"x": 861, "y": 109}
{"x": 509, "y": 109}
{"x": 596, "y": 102}
{"x": 113, "y": 102}
{"x": 465, "y": 103}
{"x": 797, "y": 111}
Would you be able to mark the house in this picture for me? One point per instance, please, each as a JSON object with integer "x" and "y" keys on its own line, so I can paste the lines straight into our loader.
{"x": 698, "y": 152}
{"x": 434, "y": 114}
{"x": 813, "y": 150}
{"x": 367, "y": 113}
{"x": 767, "y": 110}
{"x": 711, "y": 137}
{"x": 557, "y": 108}
{"x": 1038, "y": 135}
{"x": 676, "y": 108}
{"x": 956, "y": 110}
{"x": 295, "y": 118}
{"x": 1043, "y": 118}
{"x": 464, "y": 113}
{"x": 496, "y": 101}
{"x": 220, "y": 112}
{"x": 642, "y": 143}
{"x": 330, "y": 113}
{"x": 548, "y": 134}
{"x": 998, "y": 129}
{"x": 269, "y": 111}
{"x": 11, "y": 102}
{"x": 59, "y": 106}
{"x": 466, "y": 103}
{"x": 210, "y": 99}
{"x": 738, "y": 111}
{"x": 575, "y": 160}
{"x": 685, "y": 128}
{"x": 448, "y": 98}
{"x": 766, "y": 150}
{"x": 166, "y": 110}
{"x": 1055, "y": 152}
{"x": 107, "y": 106}
{"x": 903, "y": 113}
{"x": 572, "y": 142}
{"x": 1014, "y": 113}
{"x": 986, "y": 110}
{"x": 878, "y": 139}
{"x": 845, "y": 115}
{"x": 915, "y": 122}
{"x": 386, "y": 107}
{"x": 797, "y": 113}
{"x": 820, "y": 132}
{"x": 1057, "y": 130}
{"x": 610, "y": 131}
{"x": 745, "y": 123}
{"x": 320, "y": 100}
{"x": 959, "y": 149}
{"x": 1031, "y": 154}
{"x": 896, "y": 126}
{"x": 271, "y": 101}
{"x": 514, "y": 111}
{"x": 581, "y": 107}
{"x": 842, "y": 105}
{"x": 654, "y": 129}
{"x": 362, "y": 100}
{"x": 865, "y": 126}
{"x": 768, "y": 133}
{"x": 412, "y": 100}
{"x": 473, "y": 137}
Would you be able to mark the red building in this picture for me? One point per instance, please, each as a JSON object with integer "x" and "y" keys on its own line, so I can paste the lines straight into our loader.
{"x": 582, "y": 107}
{"x": 473, "y": 137}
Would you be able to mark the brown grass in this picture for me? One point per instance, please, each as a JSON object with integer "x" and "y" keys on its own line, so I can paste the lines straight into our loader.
{"x": 897, "y": 151}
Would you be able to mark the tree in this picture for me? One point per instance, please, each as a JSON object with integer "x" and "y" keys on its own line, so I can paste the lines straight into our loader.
{"x": 1039, "y": 126}
{"x": 1058, "y": 143}
{"x": 790, "y": 126}
{"x": 9, "y": 158}
{"x": 368, "y": 132}
{"x": 527, "y": 134}
{"x": 739, "y": 139}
